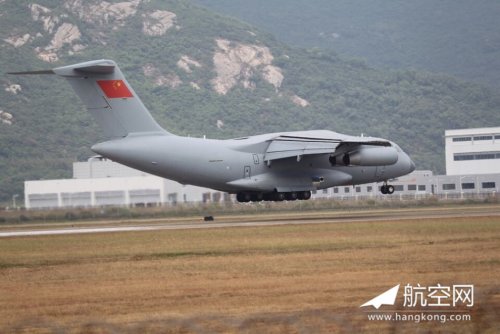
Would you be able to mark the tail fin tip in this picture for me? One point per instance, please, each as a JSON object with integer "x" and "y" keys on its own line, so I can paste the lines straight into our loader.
{"x": 95, "y": 67}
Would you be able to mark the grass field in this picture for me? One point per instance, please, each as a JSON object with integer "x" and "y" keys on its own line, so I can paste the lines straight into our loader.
{"x": 282, "y": 279}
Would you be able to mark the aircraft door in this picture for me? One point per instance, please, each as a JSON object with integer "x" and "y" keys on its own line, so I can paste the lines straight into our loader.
{"x": 247, "y": 172}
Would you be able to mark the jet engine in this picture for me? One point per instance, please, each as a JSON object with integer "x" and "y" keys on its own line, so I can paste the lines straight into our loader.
{"x": 368, "y": 156}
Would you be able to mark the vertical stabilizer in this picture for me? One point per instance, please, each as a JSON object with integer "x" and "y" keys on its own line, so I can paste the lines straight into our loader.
{"x": 109, "y": 98}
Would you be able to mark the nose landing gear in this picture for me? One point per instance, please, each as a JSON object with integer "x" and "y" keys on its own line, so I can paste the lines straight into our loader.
{"x": 387, "y": 189}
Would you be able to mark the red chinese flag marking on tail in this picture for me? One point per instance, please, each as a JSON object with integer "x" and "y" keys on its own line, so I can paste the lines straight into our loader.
{"x": 114, "y": 89}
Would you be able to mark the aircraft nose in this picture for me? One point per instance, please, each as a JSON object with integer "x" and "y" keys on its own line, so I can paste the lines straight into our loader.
{"x": 412, "y": 166}
{"x": 409, "y": 163}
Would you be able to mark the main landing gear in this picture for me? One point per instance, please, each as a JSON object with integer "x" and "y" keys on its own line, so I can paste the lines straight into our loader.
{"x": 387, "y": 189}
{"x": 244, "y": 197}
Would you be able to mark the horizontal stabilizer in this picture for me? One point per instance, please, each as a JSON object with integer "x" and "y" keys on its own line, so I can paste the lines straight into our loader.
{"x": 96, "y": 69}
{"x": 33, "y": 72}
{"x": 87, "y": 68}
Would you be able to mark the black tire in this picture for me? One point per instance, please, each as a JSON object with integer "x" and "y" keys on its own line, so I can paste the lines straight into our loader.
{"x": 257, "y": 197}
{"x": 291, "y": 196}
{"x": 390, "y": 190}
{"x": 279, "y": 197}
{"x": 383, "y": 190}
{"x": 304, "y": 195}
{"x": 268, "y": 197}
{"x": 243, "y": 197}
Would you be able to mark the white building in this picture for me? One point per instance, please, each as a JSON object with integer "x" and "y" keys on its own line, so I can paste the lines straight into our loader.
{"x": 472, "y": 151}
{"x": 420, "y": 184}
{"x": 100, "y": 182}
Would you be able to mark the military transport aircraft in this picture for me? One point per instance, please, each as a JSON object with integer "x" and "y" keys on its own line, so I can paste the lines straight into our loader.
{"x": 270, "y": 167}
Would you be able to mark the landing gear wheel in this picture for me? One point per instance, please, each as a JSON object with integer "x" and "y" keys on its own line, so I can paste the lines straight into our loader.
{"x": 387, "y": 189}
{"x": 268, "y": 197}
{"x": 257, "y": 197}
{"x": 279, "y": 197}
{"x": 243, "y": 197}
{"x": 292, "y": 196}
{"x": 304, "y": 195}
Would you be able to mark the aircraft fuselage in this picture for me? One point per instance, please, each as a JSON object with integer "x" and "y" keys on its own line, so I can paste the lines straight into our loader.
{"x": 237, "y": 165}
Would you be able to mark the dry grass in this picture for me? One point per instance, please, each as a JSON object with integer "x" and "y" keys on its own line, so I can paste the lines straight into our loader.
{"x": 303, "y": 278}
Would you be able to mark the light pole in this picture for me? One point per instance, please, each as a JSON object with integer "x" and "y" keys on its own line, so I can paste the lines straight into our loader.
{"x": 14, "y": 200}
{"x": 462, "y": 186}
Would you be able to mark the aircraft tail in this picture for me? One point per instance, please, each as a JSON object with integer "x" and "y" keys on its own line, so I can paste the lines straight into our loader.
{"x": 108, "y": 97}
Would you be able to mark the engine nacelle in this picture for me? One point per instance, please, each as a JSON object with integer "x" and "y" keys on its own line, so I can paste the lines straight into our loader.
{"x": 371, "y": 156}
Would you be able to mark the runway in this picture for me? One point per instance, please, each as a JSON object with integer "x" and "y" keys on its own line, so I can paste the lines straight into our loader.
{"x": 328, "y": 217}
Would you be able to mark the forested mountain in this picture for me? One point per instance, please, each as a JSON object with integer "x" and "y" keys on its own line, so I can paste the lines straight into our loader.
{"x": 201, "y": 73}
{"x": 458, "y": 37}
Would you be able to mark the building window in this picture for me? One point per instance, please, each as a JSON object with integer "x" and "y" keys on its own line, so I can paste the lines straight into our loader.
{"x": 346, "y": 190}
{"x": 369, "y": 189}
{"x": 399, "y": 187}
{"x": 497, "y": 136}
{"x": 449, "y": 186}
{"x": 421, "y": 187}
{"x": 325, "y": 191}
{"x": 463, "y": 157}
{"x": 358, "y": 189}
{"x": 412, "y": 187}
{"x": 485, "y": 156}
{"x": 483, "y": 138}
{"x": 216, "y": 197}
{"x": 335, "y": 190}
{"x": 476, "y": 156}
{"x": 489, "y": 185}
{"x": 462, "y": 139}
{"x": 468, "y": 185}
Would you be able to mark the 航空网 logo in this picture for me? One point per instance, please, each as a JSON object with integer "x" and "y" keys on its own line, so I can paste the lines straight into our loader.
{"x": 423, "y": 303}
{"x": 385, "y": 298}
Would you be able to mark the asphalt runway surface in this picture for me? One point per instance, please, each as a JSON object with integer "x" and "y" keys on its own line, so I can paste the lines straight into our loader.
{"x": 271, "y": 219}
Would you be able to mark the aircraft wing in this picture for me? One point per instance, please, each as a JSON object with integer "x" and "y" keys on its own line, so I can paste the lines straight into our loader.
{"x": 286, "y": 146}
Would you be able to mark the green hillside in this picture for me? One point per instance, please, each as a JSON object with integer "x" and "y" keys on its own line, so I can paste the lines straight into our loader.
{"x": 458, "y": 37}
{"x": 168, "y": 51}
